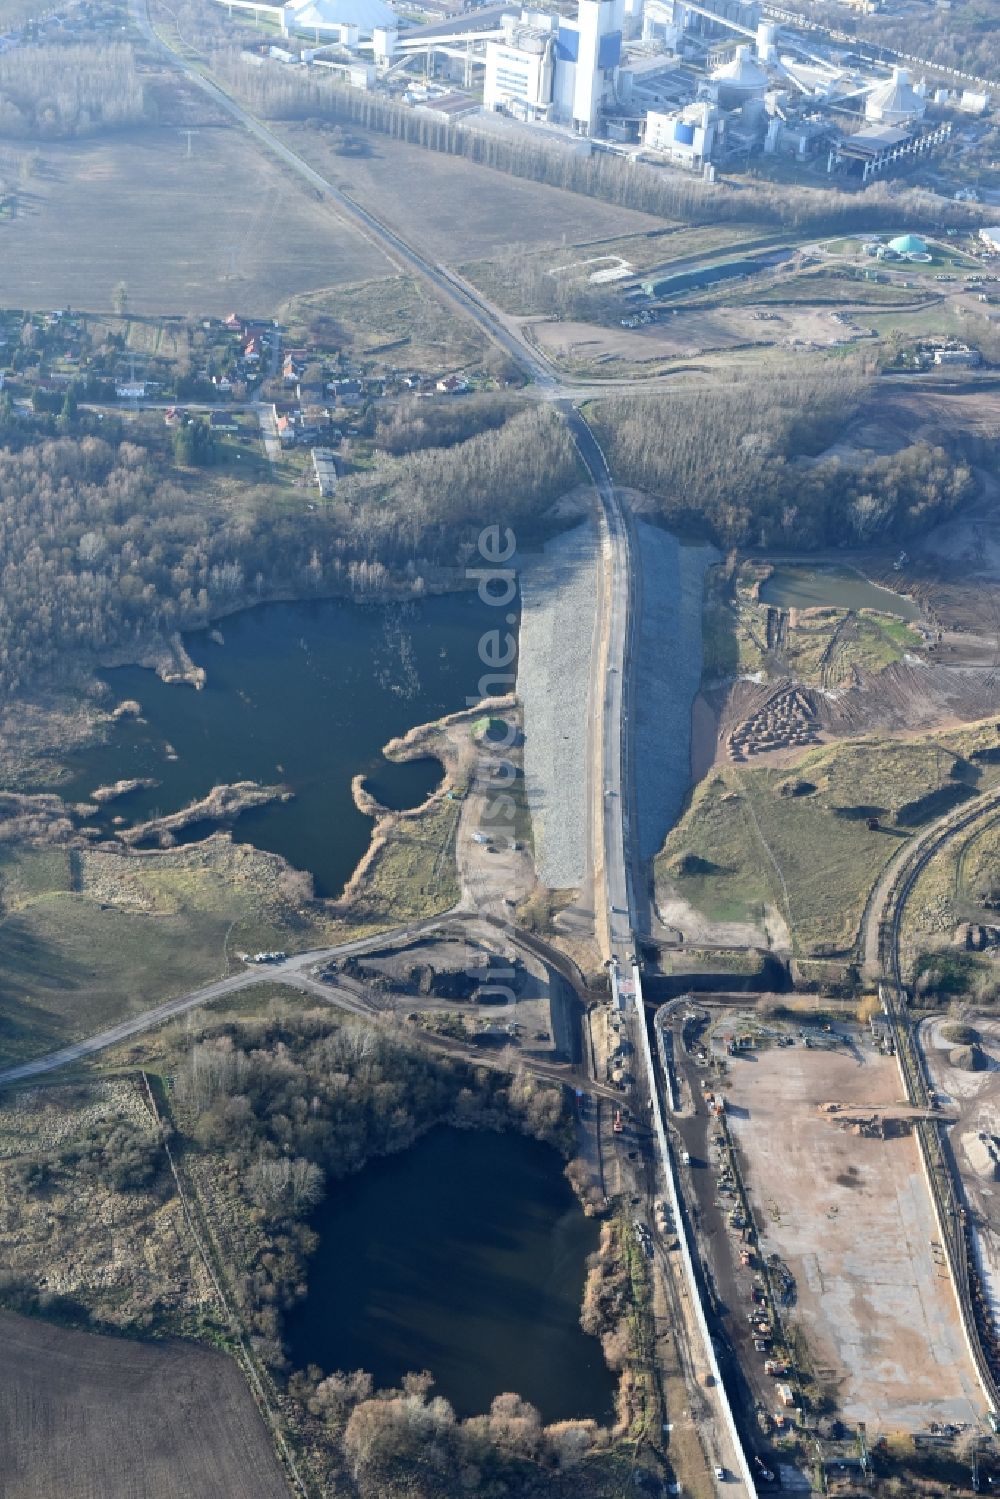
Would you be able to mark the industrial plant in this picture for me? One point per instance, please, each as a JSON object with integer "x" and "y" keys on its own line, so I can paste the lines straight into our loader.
{"x": 698, "y": 86}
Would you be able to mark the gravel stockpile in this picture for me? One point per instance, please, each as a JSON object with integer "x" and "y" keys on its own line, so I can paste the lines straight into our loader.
{"x": 558, "y": 615}
{"x": 666, "y": 671}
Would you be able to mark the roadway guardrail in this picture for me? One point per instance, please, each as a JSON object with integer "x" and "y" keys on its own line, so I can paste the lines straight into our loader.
{"x": 673, "y": 1194}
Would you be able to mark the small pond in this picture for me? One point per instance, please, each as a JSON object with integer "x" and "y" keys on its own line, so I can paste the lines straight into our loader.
{"x": 465, "y": 1255}
{"x": 808, "y": 587}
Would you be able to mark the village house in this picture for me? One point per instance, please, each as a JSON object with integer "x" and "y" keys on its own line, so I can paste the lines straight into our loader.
{"x": 451, "y": 385}
{"x": 294, "y": 364}
{"x": 223, "y": 421}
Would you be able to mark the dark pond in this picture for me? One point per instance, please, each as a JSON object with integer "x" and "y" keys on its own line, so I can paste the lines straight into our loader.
{"x": 464, "y": 1255}
{"x": 302, "y": 694}
{"x": 809, "y": 587}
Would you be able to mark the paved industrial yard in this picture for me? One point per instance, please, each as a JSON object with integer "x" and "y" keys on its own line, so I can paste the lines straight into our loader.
{"x": 852, "y": 1219}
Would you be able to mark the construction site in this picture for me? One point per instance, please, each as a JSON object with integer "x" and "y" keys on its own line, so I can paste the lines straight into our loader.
{"x": 824, "y": 1266}
{"x": 834, "y": 1177}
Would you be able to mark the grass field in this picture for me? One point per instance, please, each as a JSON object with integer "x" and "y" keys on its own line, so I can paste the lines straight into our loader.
{"x": 89, "y": 937}
{"x": 169, "y": 1421}
{"x": 949, "y": 890}
{"x": 797, "y": 838}
{"x": 221, "y": 229}
{"x": 830, "y": 287}
{"x": 462, "y": 211}
{"x": 396, "y": 322}
{"x": 413, "y": 873}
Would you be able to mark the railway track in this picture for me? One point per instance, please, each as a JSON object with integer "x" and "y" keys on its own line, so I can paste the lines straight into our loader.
{"x": 942, "y": 1177}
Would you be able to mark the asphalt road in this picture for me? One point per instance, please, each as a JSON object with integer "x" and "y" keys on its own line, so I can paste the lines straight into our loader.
{"x": 296, "y": 971}
{"x": 617, "y": 915}
{"x": 451, "y": 287}
{"x": 291, "y": 970}
{"x": 614, "y": 830}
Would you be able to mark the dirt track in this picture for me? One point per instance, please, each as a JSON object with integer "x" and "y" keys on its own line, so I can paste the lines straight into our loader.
{"x": 87, "y": 1417}
{"x": 688, "y": 333}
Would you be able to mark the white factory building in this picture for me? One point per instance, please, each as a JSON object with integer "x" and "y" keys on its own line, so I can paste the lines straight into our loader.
{"x": 741, "y": 79}
{"x": 549, "y": 68}
{"x": 688, "y": 83}
{"x": 345, "y": 21}
{"x": 897, "y": 101}
{"x": 684, "y": 137}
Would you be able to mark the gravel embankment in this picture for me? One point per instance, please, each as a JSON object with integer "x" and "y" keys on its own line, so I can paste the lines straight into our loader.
{"x": 666, "y": 673}
{"x": 558, "y": 616}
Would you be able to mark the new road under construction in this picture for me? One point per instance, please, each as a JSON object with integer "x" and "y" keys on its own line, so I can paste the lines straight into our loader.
{"x": 805, "y": 1225}
{"x": 728, "y": 1459}
{"x": 907, "y": 1278}
{"x": 809, "y": 1168}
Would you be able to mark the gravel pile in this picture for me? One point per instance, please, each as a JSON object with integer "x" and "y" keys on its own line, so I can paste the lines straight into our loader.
{"x": 558, "y": 616}
{"x": 666, "y": 673}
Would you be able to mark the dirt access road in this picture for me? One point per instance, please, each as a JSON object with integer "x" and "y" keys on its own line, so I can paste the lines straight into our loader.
{"x": 914, "y": 855}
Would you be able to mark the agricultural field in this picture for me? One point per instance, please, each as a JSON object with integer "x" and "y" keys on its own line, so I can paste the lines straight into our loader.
{"x": 168, "y": 1420}
{"x": 215, "y": 217}
{"x": 749, "y": 838}
{"x": 463, "y": 210}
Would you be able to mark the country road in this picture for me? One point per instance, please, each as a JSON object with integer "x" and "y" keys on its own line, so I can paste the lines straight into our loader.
{"x": 448, "y": 284}
{"x": 342, "y": 992}
{"x": 612, "y": 825}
